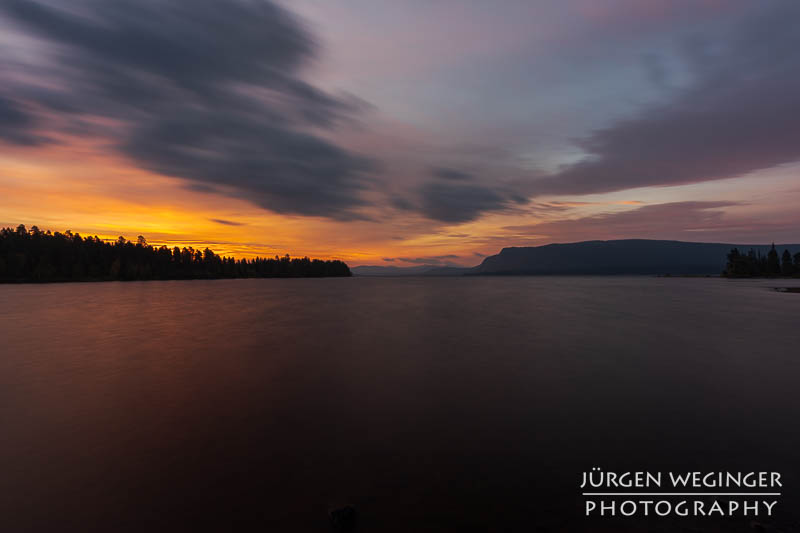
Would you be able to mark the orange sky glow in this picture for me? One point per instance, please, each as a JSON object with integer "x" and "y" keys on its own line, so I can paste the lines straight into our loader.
{"x": 381, "y": 137}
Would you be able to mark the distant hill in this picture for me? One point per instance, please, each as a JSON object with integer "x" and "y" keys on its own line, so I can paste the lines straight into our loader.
{"x": 630, "y": 256}
{"x": 420, "y": 270}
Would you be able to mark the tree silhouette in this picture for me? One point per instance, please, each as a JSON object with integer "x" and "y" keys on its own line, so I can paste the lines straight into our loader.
{"x": 773, "y": 266}
{"x": 43, "y": 256}
{"x": 787, "y": 269}
{"x": 753, "y": 264}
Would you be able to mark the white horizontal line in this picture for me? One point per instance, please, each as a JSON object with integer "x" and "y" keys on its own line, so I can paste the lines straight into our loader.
{"x": 681, "y": 493}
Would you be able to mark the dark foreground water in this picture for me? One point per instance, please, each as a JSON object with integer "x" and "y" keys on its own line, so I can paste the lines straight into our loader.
{"x": 458, "y": 404}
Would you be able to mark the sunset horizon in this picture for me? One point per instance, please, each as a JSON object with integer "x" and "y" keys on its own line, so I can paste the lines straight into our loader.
{"x": 255, "y": 250}
{"x": 514, "y": 137}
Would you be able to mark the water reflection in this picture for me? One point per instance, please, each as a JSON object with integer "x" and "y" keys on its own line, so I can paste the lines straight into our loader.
{"x": 429, "y": 404}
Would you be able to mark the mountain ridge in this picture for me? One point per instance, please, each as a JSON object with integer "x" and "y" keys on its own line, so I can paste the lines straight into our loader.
{"x": 620, "y": 256}
{"x": 595, "y": 257}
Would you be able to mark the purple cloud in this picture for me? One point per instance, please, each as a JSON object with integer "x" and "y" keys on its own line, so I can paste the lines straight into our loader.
{"x": 738, "y": 116}
{"x": 689, "y": 221}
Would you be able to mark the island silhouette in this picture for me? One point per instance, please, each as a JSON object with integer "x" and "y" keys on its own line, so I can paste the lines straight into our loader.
{"x": 620, "y": 257}
{"x": 41, "y": 256}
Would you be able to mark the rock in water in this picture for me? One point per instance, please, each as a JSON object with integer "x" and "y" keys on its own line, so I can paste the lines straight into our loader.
{"x": 343, "y": 518}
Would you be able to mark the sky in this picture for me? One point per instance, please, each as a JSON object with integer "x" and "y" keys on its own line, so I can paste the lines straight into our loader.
{"x": 401, "y": 133}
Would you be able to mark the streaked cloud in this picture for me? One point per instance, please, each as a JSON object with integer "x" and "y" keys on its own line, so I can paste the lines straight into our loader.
{"x": 230, "y": 121}
{"x": 17, "y": 125}
{"x": 194, "y": 89}
{"x": 709, "y": 221}
{"x": 450, "y": 174}
{"x": 432, "y": 260}
{"x": 226, "y": 222}
{"x": 735, "y": 117}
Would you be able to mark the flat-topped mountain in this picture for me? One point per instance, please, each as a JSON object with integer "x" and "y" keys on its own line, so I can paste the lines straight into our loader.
{"x": 629, "y": 256}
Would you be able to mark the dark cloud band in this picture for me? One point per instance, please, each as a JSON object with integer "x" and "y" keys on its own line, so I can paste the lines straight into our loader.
{"x": 202, "y": 90}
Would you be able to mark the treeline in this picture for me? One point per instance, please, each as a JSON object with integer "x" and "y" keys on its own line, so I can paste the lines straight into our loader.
{"x": 754, "y": 264}
{"x": 34, "y": 255}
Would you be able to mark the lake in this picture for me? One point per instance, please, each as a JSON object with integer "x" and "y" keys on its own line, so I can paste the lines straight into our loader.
{"x": 430, "y": 404}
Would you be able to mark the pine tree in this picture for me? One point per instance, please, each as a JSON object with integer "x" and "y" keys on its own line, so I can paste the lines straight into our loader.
{"x": 787, "y": 269}
{"x": 773, "y": 265}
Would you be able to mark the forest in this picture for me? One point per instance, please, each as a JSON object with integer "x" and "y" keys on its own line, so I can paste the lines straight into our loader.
{"x": 754, "y": 264}
{"x": 41, "y": 256}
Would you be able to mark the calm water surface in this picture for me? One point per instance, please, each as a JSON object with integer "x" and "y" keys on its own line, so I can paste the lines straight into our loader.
{"x": 452, "y": 404}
